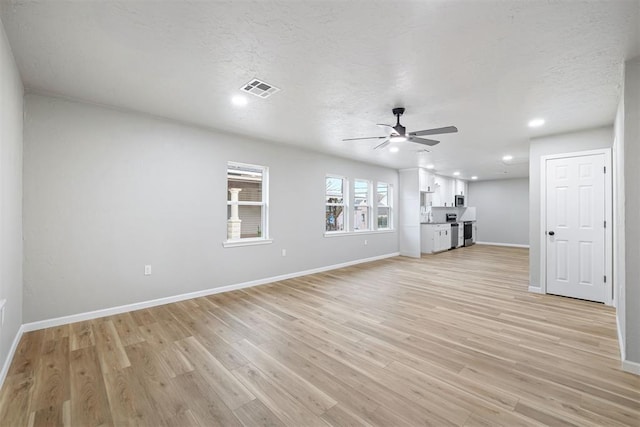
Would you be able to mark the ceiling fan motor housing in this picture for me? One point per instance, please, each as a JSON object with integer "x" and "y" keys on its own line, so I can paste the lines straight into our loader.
{"x": 398, "y": 111}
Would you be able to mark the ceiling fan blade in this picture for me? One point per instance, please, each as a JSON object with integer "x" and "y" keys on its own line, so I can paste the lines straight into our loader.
{"x": 424, "y": 141}
{"x": 384, "y": 144}
{"x": 366, "y": 137}
{"x": 436, "y": 131}
{"x": 394, "y": 131}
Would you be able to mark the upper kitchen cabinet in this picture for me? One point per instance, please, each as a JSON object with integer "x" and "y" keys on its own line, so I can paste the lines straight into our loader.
{"x": 445, "y": 190}
{"x": 427, "y": 181}
{"x": 461, "y": 187}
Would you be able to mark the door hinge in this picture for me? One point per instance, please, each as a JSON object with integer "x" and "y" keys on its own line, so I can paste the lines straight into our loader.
{"x": 605, "y": 224}
{"x": 605, "y": 279}
{"x": 605, "y": 169}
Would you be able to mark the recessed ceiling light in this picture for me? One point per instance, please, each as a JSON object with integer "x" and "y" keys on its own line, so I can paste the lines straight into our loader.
{"x": 430, "y": 166}
{"x": 507, "y": 157}
{"x": 394, "y": 149}
{"x": 456, "y": 173}
{"x": 474, "y": 177}
{"x": 239, "y": 101}
{"x": 536, "y": 123}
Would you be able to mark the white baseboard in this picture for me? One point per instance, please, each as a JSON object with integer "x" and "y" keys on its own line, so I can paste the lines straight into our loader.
{"x": 631, "y": 367}
{"x": 49, "y": 323}
{"x": 627, "y": 365}
{"x": 12, "y": 352}
{"x": 510, "y": 245}
{"x": 535, "y": 289}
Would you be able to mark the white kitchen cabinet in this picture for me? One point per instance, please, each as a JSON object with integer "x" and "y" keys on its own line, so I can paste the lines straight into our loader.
{"x": 461, "y": 235}
{"x": 438, "y": 195}
{"x": 445, "y": 237}
{"x": 461, "y": 187}
{"x": 426, "y": 181}
{"x": 435, "y": 238}
{"x": 423, "y": 179}
{"x": 409, "y": 213}
{"x": 445, "y": 188}
{"x": 426, "y": 238}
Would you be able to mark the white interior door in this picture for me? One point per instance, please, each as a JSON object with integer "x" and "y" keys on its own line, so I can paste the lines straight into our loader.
{"x": 575, "y": 215}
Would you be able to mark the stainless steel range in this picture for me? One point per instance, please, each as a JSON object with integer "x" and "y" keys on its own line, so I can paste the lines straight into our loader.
{"x": 468, "y": 233}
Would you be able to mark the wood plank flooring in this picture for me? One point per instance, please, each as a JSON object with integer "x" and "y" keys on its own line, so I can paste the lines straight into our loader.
{"x": 449, "y": 339}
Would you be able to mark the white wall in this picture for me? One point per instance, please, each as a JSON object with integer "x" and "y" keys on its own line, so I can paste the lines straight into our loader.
{"x": 10, "y": 195}
{"x": 631, "y": 147}
{"x": 565, "y": 143}
{"x": 619, "y": 223}
{"x": 502, "y": 210}
{"x": 106, "y": 192}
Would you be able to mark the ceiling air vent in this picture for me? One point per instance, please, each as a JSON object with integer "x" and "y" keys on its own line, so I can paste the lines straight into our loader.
{"x": 259, "y": 88}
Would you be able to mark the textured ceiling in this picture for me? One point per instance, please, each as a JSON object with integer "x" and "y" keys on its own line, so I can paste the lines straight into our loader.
{"x": 485, "y": 66}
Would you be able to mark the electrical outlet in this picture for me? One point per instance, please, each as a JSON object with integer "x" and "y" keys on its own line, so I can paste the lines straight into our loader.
{"x": 365, "y": 243}
{"x": 284, "y": 252}
{"x": 147, "y": 270}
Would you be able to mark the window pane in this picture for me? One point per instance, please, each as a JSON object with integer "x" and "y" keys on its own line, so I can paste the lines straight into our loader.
{"x": 250, "y": 187}
{"x": 334, "y": 190}
{"x": 248, "y": 179}
{"x": 383, "y": 194}
{"x": 361, "y": 205}
{"x": 361, "y": 192}
{"x": 383, "y": 218}
{"x": 334, "y": 218}
{"x": 251, "y": 221}
{"x": 361, "y": 218}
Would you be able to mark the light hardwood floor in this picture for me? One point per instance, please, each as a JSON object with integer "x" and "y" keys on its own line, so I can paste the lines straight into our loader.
{"x": 450, "y": 339}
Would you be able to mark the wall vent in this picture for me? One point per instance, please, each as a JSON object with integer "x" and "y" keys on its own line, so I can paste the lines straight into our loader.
{"x": 259, "y": 88}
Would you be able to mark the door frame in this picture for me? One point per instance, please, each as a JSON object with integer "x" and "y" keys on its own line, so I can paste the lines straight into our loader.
{"x": 608, "y": 215}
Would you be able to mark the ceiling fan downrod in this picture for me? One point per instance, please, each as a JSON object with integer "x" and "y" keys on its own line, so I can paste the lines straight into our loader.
{"x": 398, "y": 111}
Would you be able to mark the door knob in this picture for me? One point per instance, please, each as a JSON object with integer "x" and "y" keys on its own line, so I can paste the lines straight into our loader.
{"x": 552, "y": 233}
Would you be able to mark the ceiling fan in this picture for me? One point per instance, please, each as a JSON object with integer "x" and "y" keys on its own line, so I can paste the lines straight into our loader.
{"x": 399, "y": 133}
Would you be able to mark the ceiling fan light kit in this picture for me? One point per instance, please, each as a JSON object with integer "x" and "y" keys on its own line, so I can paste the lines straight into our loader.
{"x": 397, "y": 138}
{"x": 399, "y": 133}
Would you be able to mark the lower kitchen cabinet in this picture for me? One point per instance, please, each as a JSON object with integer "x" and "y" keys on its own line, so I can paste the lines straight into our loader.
{"x": 435, "y": 238}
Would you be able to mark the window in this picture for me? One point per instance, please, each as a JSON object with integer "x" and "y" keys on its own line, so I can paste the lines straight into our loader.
{"x": 361, "y": 205}
{"x": 247, "y": 187}
{"x": 384, "y": 197}
{"x": 335, "y": 205}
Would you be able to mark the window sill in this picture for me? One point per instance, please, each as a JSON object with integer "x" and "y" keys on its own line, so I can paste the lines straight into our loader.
{"x": 356, "y": 233}
{"x": 246, "y": 242}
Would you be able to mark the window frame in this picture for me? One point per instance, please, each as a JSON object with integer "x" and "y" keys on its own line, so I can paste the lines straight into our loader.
{"x": 368, "y": 206}
{"x": 345, "y": 204}
{"x": 389, "y": 206}
{"x": 264, "y": 238}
